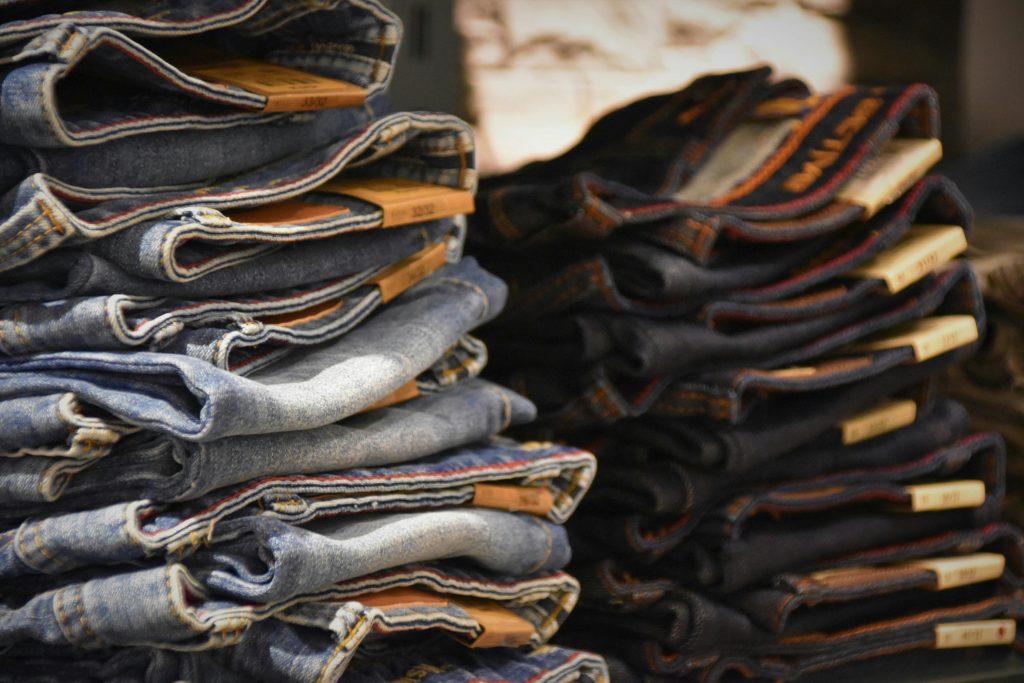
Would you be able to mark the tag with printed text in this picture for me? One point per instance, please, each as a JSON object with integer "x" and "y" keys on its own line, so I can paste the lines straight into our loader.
{"x": 284, "y": 88}
{"x": 928, "y": 337}
{"x": 893, "y": 170}
{"x": 405, "y": 201}
{"x": 923, "y": 250}
{"x": 975, "y": 633}
{"x": 882, "y": 419}
{"x": 953, "y": 572}
{"x": 946, "y": 495}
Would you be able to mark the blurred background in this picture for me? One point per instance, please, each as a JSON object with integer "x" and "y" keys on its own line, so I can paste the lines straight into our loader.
{"x": 533, "y": 73}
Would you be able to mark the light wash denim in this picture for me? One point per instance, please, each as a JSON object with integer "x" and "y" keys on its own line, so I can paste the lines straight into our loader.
{"x": 56, "y": 426}
{"x": 49, "y": 97}
{"x": 165, "y": 469}
{"x": 314, "y": 386}
{"x": 68, "y": 273}
{"x": 240, "y": 334}
{"x": 213, "y": 603}
{"x": 126, "y": 531}
{"x": 43, "y": 212}
{"x": 319, "y": 635}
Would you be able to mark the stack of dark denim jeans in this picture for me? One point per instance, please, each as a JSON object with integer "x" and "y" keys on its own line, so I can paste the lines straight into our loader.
{"x": 242, "y": 431}
{"x": 739, "y": 296}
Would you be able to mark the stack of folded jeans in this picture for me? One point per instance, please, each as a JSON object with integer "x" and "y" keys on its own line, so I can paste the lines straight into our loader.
{"x": 242, "y": 431}
{"x": 739, "y": 296}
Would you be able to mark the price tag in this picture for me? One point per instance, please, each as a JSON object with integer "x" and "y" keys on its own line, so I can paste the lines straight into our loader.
{"x": 285, "y": 89}
{"x": 923, "y": 250}
{"x": 405, "y": 201}
{"x": 929, "y": 337}
{"x": 947, "y": 495}
{"x": 975, "y": 633}
{"x": 882, "y": 419}
{"x": 953, "y": 572}
{"x": 897, "y": 166}
{"x": 536, "y": 500}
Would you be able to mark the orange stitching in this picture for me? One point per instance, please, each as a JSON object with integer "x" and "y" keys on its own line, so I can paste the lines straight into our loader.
{"x": 771, "y": 167}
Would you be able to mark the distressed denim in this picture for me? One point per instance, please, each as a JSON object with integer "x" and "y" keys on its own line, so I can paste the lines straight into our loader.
{"x": 240, "y": 334}
{"x": 43, "y": 213}
{"x": 68, "y": 273}
{"x": 171, "y": 608}
{"x": 57, "y": 426}
{"x": 314, "y": 386}
{"x": 51, "y": 96}
{"x": 430, "y": 660}
{"x": 165, "y": 469}
{"x": 134, "y": 530}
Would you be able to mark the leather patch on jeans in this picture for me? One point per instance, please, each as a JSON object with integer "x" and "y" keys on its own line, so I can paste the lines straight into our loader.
{"x": 286, "y": 89}
{"x": 405, "y": 201}
{"x": 536, "y": 500}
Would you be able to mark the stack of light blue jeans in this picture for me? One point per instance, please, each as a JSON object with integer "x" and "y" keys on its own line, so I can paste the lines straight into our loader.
{"x": 242, "y": 430}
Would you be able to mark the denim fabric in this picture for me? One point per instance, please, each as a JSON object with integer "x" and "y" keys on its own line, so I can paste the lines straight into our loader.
{"x": 633, "y": 276}
{"x": 548, "y": 202}
{"x": 735, "y": 552}
{"x": 239, "y": 335}
{"x": 429, "y": 660}
{"x": 56, "y": 426}
{"x": 67, "y": 273}
{"x": 43, "y": 212}
{"x": 169, "y": 607}
{"x": 197, "y": 242}
{"x": 188, "y": 398}
{"x": 127, "y": 531}
{"x": 56, "y": 89}
{"x": 164, "y": 469}
{"x": 649, "y": 481}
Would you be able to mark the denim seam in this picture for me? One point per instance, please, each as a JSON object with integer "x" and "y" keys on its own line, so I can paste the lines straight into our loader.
{"x": 499, "y": 216}
{"x": 341, "y": 646}
{"x": 549, "y": 544}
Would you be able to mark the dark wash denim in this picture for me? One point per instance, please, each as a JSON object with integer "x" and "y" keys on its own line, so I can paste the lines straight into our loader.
{"x": 68, "y": 273}
{"x": 188, "y": 398}
{"x": 726, "y": 555}
{"x": 634, "y": 479}
{"x": 628, "y": 274}
{"x": 614, "y": 531}
{"x": 560, "y": 200}
{"x": 164, "y": 469}
{"x": 51, "y": 96}
{"x": 128, "y": 531}
{"x": 43, "y": 213}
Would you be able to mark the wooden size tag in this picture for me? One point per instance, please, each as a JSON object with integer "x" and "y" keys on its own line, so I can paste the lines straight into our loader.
{"x": 400, "y": 276}
{"x": 953, "y": 572}
{"x": 286, "y": 89}
{"x": 405, "y": 201}
{"x": 407, "y": 391}
{"x": 288, "y": 212}
{"x": 929, "y": 337}
{"x": 923, "y": 250}
{"x": 897, "y": 166}
{"x": 537, "y": 500}
{"x": 975, "y": 633}
{"x": 946, "y": 495}
{"x": 501, "y": 626}
{"x": 882, "y": 419}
